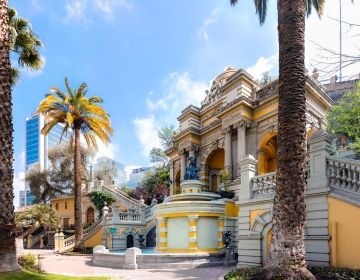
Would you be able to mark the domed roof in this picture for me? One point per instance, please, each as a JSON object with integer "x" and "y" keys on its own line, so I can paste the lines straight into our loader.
{"x": 222, "y": 78}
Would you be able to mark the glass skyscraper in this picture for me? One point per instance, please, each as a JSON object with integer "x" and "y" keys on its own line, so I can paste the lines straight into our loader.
{"x": 37, "y": 146}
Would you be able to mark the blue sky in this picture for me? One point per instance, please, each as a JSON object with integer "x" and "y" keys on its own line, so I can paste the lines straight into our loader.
{"x": 146, "y": 59}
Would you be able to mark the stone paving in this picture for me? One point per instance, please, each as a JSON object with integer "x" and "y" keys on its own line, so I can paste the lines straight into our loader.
{"x": 82, "y": 266}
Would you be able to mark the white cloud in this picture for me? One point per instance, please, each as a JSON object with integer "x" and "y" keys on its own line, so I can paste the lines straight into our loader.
{"x": 211, "y": 19}
{"x": 78, "y": 10}
{"x": 146, "y": 131}
{"x": 107, "y": 7}
{"x": 75, "y": 11}
{"x": 263, "y": 65}
{"x": 104, "y": 150}
{"x": 180, "y": 90}
{"x": 36, "y": 5}
{"x": 325, "y": 32}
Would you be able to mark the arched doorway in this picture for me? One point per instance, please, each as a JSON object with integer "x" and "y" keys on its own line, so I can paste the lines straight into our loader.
{"x": 214, "y": 165}
{"x": 267, "y": 154}
{"x": 129, "y": 241}
{"x": 90, "y": 216}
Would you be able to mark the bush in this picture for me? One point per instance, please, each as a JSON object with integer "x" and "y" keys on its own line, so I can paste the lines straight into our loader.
{"x": 321, "y": 273}
{"x": 333, "y": 273}
{"x": 30, "y": 263}
{"x": 243, "y": 274}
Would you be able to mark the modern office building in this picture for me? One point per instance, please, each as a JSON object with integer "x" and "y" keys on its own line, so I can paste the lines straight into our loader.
{"x": 37, "y": 147}
{"x": 136, "y": 176}
{"x": 108, "y": 165}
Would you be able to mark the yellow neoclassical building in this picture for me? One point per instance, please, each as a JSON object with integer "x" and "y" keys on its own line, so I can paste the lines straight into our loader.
{"x": 235, "y": 129}
{"x": 236, "y": 119}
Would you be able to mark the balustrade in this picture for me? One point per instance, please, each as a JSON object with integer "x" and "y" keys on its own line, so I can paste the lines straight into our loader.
{"x": 344, "y": 175}
{"x": 263, "y": 185}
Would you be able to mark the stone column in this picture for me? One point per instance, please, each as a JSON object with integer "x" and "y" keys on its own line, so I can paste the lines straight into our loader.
{"x": 61, "y": 242}
{"x": 162, "y": 241}
{"x": 320, "y": 147}
{"x": 248, "y": 169}
{"x": 227, "y": 133}
{"x": 193, "y": 220}
{"x": 29, "y": 242}
{"x": 182, "y": 165}
{"x": 241, "y": 140}
{"x": 221, "y": 223}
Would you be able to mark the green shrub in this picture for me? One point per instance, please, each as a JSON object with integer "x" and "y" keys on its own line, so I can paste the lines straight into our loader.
{"x": 243, "y": 274}
{"x": 29, "y": 262}
{"x": 332, "y": 273}
{"x": 321, "y": 273}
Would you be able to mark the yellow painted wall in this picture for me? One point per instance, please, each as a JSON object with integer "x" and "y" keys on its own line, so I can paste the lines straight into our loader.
{"x": 344, "y": 225}
{"x": 255, "y": 213}
{"x": 231, "y": 209}
{"x": 62, "y": 212}
{"x": 217, "y": 159}
{"x": 94, "y": 240}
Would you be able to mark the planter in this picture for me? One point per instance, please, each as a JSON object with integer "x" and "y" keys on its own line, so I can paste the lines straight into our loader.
{"x": 226, "y": 194}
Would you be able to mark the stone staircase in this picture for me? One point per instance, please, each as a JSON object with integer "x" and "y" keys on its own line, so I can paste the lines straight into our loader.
{"x": 69, "y": 243}
{"x": 123, "y": 198}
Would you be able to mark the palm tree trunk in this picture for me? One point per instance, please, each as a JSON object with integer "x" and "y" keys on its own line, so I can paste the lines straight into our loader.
{"x": 7, "y": 219}
{"x": 287, "y": 252}
{"x": 78, "y": 191}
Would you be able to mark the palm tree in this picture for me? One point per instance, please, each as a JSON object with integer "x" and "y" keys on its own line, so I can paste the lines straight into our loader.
{"x": 287, "y": 252}
{"x": 7, "y": 219}
{"x": 80, "y": 116}
{"x": 39, "y": 215}
{"x": 24, "y": 43}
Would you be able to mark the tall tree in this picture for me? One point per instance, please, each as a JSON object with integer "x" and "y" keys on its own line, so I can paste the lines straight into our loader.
{"x": 58, "y": 178}
{"x": 344, "y": 118}
{"x": 287, "y": 252}
{"x": 81, "y": 116}
{"x": 24, "y": 44}
{"x": 7, "y": 218}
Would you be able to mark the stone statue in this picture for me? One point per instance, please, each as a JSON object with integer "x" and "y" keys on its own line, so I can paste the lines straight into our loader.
{"x": 226, "y": 239}
{"x": 192, "y": 171}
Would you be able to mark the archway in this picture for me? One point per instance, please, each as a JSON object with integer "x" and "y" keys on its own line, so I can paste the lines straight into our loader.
{"x": 214, "y": 164}
{"x": 267, "y": 154}
{"x": 129, "y": 241}
{"x": 151, "y": 238}
{"x": 90, "y": 216}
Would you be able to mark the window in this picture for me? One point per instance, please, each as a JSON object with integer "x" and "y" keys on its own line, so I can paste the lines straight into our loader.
{"x": 65, "y": 205}
{"x": 57, "y": 206}
{"x": 66, "y": 223}
{"x": 90, "y": 216}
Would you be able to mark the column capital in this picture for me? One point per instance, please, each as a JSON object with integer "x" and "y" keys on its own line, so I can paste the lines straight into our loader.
{"x": 226, "y": 130}
{"x": 241, "y": 124}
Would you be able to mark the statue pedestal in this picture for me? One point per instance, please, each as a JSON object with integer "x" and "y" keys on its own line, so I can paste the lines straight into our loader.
{"x": 191, "y": 186}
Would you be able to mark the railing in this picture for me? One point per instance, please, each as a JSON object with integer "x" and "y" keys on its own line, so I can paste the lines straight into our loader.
{"x": 69, "y": 243}
{"x": 29, "y": 231}
{"x": 263, "y": 185}
{"x": 149, "y": 213}
{"x": 123, "y": 198}
{"x": 344, "y": 175}
{"x": 130, "y": 217}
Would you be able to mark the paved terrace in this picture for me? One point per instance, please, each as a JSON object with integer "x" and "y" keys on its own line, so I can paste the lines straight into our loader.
{"x": 82, "y": 266}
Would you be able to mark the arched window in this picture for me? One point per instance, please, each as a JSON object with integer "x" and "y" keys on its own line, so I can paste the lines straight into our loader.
{"x": 90, "y": 215}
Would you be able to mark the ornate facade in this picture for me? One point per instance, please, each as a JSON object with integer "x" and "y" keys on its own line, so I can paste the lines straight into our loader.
{"x": 237, "y": 118}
